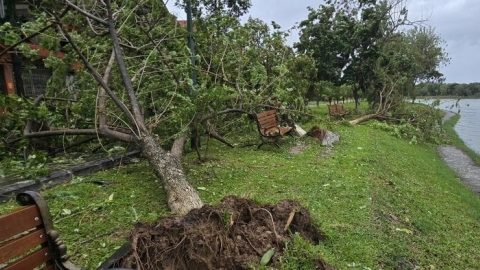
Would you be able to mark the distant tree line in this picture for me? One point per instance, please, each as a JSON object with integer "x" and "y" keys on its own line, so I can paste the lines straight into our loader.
{"x": 448, "y": 89}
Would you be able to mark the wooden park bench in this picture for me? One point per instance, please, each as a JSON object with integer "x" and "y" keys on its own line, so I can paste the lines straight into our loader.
{"x": 337, "y": 110}
{"x": 28, "y": 240}
{"x": 269, "y": 128}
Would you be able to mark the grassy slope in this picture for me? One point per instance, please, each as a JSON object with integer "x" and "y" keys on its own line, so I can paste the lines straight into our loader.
{"x": 382, "y": 202}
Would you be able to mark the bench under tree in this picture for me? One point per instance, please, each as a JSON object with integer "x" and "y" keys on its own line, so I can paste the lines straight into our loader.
{"x": 270, "y": 129}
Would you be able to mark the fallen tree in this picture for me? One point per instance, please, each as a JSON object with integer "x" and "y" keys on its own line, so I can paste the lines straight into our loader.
{"x": 119, "y": 113}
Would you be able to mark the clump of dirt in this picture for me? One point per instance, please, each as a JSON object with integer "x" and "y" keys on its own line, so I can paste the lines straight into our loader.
{"x": 317, "y": 133}
{"x": 232, "y": 235}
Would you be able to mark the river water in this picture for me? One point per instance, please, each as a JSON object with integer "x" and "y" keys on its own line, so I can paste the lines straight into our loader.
{"x": 468, "y": 126}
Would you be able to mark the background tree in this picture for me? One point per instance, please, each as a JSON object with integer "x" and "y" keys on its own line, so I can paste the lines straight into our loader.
{"x": 427, "y": 54}
{"x": 364, "y": 44}
{"x": 244, "y": 67}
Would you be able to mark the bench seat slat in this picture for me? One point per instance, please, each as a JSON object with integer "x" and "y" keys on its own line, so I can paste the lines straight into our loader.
{"x": 24, "y": 243}
{"x": 19, "y": 221}
{"x": 31, "y": 261}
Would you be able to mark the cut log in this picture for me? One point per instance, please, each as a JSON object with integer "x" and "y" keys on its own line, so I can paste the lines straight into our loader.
{"x": 299, "y": 130}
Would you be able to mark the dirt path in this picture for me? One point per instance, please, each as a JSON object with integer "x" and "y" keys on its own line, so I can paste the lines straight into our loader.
{"x": 462, "y": 164}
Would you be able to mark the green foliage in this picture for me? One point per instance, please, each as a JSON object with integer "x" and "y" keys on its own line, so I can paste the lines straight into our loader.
{"x": 417, "y": 123}
{"x": 11, "y": 125}
{"x": 250, "y": 65}
{"x": 8, "y": 36}
{"x": 32, "y": 167}
{"x": 239, "y": 65}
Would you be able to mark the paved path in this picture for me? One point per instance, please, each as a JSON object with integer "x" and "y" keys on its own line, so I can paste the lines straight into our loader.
{"x": 462, "y": 164}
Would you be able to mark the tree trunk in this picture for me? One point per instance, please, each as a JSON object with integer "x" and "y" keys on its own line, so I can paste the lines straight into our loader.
{"x": 363, "y": 119}
{"x": 356, "y": 98}
{"x": 182, "y": 197}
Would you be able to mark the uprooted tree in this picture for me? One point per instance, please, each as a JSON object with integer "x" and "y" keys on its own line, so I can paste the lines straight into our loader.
{"x": 101, "y": 36}
{"x": 134, "y": 81}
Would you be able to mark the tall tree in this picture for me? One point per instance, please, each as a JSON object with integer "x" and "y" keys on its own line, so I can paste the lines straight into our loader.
{"x": 354, "y": 42}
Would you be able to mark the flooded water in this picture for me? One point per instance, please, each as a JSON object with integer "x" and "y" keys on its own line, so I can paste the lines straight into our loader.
{"x": 468, "y": 126}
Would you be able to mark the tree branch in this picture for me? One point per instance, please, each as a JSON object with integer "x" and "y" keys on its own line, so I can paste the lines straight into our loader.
{"x": 170, "y": 69}
{"x": 137, "y": 115}
{"x": 26, "y": 38}
{"x": 27, "y": 131}
{"x": 102, "y": 116}
{"x": 86, "y": 14}
{"x": 95, "y": 74}
{"x": 178, "y": 144}
{"x": 102, "y": 131}
{"x": 48, "y": 26}
{"x": 211, "y": 115}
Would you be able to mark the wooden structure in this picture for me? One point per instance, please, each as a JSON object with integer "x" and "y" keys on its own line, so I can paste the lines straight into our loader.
{"x": 28, "y": 240}
{"x": 337, "y": 110}
{"x": 7, "y": 80}
{"x": 269, "y": 128}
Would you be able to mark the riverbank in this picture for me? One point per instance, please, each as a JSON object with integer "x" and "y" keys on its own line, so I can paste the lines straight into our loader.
{"x": 466, "y": 169}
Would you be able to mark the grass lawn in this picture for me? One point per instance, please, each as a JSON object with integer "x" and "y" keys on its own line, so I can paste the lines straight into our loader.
{"x": 382, "y": 202}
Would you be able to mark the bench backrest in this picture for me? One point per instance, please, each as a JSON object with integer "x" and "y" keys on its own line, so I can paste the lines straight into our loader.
{"x": 267, "y": 120}
{"x": 24, "y": 243}
{"x": 337, "y": 110}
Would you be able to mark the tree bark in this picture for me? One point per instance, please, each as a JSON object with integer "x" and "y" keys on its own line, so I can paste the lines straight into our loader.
{"x": 363, "y": 119}
{"x": 182, "y": 197}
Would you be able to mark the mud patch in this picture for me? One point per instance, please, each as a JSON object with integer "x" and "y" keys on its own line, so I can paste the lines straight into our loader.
{"x": 297, "y": 148}
{"x": 233, "y": 235}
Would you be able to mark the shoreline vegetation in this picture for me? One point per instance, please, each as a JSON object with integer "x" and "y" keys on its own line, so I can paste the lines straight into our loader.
{"x": 381, "y": 201}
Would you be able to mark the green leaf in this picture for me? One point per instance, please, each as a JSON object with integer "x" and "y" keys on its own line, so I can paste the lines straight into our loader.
{"x": 405, "y": 230}
{"x": 267, "y": 257}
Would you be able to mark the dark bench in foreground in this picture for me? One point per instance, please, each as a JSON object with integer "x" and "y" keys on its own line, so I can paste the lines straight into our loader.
{"x": 28, "y": 240}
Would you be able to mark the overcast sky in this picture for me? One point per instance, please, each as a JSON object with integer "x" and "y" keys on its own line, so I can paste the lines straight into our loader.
{"x": 455, "y": 21}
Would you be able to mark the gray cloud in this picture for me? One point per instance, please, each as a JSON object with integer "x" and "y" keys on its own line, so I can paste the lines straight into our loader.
{"x": 458, "y": 23}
